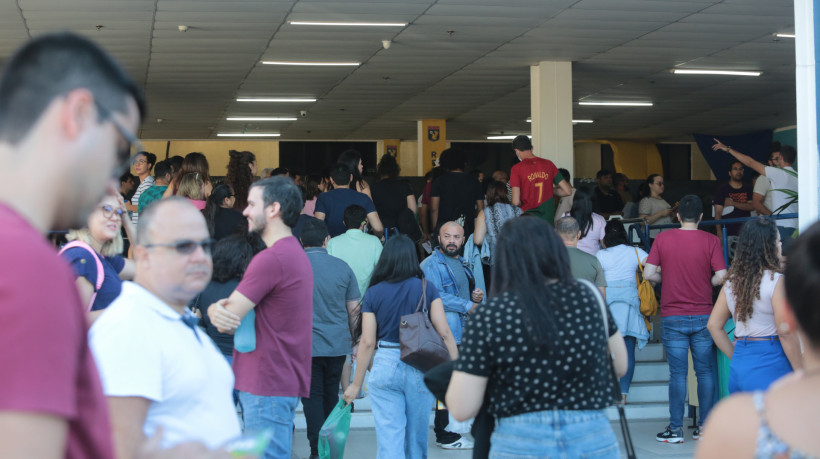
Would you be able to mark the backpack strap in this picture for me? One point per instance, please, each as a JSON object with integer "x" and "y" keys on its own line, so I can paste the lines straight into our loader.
{"x": 100, "y": 270}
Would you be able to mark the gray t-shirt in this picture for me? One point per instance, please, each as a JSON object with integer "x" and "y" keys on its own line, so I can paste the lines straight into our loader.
{"x": 462, "y": 282}
{"x": 651, "y": 206}
{"x": 334, "y": 284}
{"x": 586, "y": 266}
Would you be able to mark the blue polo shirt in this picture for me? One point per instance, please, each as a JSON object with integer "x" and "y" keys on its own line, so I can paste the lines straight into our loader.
{"x": 333, "y": 204}
{"x": 334, "y": 284}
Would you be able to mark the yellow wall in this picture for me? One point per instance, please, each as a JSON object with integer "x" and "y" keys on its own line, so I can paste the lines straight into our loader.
{"x": 587, "y": 160}
{"x": 700, "y": 168}
{"x": 266, "y": 151}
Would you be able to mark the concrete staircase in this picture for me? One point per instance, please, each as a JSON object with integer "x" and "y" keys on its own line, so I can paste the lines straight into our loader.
{"x": 648, "y": 395}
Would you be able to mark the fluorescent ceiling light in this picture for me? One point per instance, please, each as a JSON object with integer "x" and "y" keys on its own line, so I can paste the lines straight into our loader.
{"x": 503, "y": 137}
{"x": 261, "y": 118}
{"x": 619, "y": 104}
{"x": 784, "y": 35}
{"x": 529, "y": 120}
{"x": 274, "y": 99}
{"x": 247, "y": 134}
{"x": 714, "y": 72}
{"x": 354, "y": 24}
{"x": 326, "y": 64}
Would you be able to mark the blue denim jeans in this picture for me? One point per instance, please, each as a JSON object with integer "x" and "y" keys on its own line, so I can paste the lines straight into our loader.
{"x": 554, "y": 434}
{"x": 626, "y": 380}
{"x": 401, "y": 406}
{"x": 680, "y": 334}
{"x": 276, "y": 413}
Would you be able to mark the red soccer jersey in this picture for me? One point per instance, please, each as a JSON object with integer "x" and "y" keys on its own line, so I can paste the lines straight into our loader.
{"x": 536, "y": 178}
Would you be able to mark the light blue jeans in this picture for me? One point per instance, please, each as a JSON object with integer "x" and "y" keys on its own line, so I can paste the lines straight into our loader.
{"x": 680, "y": 334}
{"x": 277, "y": 413}
{"x": 401, "y": 406}
{"x": 554, "y": 434}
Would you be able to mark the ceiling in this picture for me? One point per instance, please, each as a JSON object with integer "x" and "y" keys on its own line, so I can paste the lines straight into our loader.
{"x": 476, "y": 76}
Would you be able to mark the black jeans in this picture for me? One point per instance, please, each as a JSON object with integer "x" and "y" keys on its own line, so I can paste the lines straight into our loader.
{"x": 326, "y": 372}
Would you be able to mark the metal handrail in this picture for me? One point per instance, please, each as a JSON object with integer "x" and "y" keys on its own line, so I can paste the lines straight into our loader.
{"x": 643, "y": 234}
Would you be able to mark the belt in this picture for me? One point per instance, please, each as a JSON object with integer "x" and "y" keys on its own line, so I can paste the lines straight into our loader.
{"x": 386, "y": 345}
{"x": 757, "y": 338}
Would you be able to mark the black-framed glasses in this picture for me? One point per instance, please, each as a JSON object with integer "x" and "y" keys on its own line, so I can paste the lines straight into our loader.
{"x": 131, "y": 141}
{"x": 186, "y": 246}
{"x": 108, "y": 211}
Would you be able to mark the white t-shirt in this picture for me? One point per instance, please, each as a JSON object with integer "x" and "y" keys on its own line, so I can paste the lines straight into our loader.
{"x": 762, "y": 322}
{"x": 591, "y": 242}
{"x": 782, "y": 180}
{"x": 144, "y": 349}
{"x": 763, "y": 187}
{"x": 620, "y": 263}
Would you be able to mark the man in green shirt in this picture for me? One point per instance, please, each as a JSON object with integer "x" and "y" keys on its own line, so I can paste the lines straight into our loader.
{"x": 358, "y": 249}
{"x": 162, "y": 177}
{"x": 582, "y": 264}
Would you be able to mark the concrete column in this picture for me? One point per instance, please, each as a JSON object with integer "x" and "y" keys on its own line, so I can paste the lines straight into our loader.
{"x": 806, "y": 58}
{"x": 551, "y": 111}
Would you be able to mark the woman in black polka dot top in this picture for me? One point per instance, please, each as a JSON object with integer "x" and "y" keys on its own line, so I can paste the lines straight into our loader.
{"x": 538, "y": 350}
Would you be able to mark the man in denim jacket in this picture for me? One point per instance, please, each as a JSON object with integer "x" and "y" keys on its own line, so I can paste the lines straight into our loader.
{"x": 456, "y": 284}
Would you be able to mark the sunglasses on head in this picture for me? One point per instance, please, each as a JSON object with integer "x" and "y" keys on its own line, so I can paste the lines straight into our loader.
{"x": 186, "y": 246}
{"x": 108, "y": 211}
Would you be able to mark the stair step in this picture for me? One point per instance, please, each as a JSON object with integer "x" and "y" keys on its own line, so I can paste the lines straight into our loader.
{"x": 649, "y": 392}
{"x": 651, "y": 372}
{"x": 652, "y": 352}
{"x": 641, "y": 412}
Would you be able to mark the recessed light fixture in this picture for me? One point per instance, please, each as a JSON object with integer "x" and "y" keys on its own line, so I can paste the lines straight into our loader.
{"x": 324, "y": 64}
{"x": 618, "y": 104}
{"x": 503, "y": 137}
{"x": 714, "y": 72}
{"x": 261, "y": 118}
{"x": 784, "y": 35}
{"x": 349, "y": 24}
{"x": 247, "y": 134}
{"x": 529, "y": 120}
{"x": 274, "y": 99}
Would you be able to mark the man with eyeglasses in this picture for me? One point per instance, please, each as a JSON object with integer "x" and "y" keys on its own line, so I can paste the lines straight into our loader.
{"x": 64, "y": 106}
{"x": 158, "y": 368}
{"x": 278, "y": 287}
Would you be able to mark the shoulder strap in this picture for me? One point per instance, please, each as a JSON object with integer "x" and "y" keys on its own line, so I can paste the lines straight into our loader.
{"x": 98, "y": 262}
{"x": 639, "y": 261}
{"x": 601, "y": 304}
{"x": 423, "y": 300}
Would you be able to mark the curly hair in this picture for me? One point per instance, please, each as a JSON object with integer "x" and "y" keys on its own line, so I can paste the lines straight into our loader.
{"x": 756, "y": 253}
{"x": 240, "y": 176}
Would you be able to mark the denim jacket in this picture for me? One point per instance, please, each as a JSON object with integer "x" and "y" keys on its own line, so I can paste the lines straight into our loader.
{"x": 439, "y": 274}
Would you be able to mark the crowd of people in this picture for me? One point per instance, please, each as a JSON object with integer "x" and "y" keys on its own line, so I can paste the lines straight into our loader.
{"x": 236, "y": 300}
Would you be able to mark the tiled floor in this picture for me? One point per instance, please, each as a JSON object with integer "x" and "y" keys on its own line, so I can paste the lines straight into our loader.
{"x": 361, "y": 444}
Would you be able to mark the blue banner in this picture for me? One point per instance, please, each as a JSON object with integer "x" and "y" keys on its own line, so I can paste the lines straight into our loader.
{"x": 756, "y": 145}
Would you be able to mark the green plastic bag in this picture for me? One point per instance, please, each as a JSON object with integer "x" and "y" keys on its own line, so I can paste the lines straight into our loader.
{"x": 333, "y": 434}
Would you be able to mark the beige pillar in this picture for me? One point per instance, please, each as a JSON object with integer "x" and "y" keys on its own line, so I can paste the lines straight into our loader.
{"x": 551, "y": 112}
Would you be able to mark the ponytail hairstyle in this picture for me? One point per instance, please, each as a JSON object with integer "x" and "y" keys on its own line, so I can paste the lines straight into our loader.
{"x": 644, "y": 189}
{"x": 582, "y": 210}
{"x": 215, "y": 200}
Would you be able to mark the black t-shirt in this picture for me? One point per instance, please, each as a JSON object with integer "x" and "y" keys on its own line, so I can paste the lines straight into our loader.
{"x": 607, "y": 203}
{"x": 228, "y": 222}
{"x": 214, "y": 292}
{"x": 390, "y": 198}
{"x": 389, "y": 301}
{"x": 572, "y": 375}
{"x": 458, "y": 193}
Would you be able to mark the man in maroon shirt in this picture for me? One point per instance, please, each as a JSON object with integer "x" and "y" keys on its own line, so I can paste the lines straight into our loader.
{"x": 65, "y": 109}
{"x": 278, "y": 287}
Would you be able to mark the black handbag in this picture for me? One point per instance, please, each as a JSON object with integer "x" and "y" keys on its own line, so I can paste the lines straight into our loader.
{"x": 616, "y": 387}
{"x": 421, "y": 346}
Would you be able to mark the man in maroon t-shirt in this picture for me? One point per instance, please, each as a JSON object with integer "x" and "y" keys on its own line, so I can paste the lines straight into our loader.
{"x": 278, "y": 286}
{"x": 534, "y": 181}
{"x": 687, "y": 258}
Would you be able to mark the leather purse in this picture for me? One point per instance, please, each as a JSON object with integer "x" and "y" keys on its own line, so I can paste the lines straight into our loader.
{"x": 421, "y": 346}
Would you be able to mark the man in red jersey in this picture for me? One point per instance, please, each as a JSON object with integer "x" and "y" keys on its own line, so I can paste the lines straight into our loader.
{"x": 534, "y": 181}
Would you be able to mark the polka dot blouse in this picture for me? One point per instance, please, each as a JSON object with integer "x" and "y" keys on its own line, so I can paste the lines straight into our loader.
{"x": 573, "y": 374}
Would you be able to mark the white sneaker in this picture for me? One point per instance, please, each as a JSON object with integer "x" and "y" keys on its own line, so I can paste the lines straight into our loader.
{"x": 461, "y": 443}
